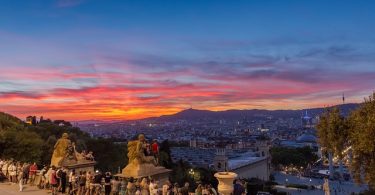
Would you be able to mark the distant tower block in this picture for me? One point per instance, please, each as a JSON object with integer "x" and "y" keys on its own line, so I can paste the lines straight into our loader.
{"x": 221, "y": 160}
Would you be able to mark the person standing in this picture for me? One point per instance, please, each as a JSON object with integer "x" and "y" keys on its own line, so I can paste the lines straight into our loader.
{"x": 19, "y": 170}
{"x": 1, "y": 163}
{"x": 107, "y": 183}
{"x": 62, "y": 176}
{"x": 155, "y": 190}
{"x": 88, "y": 184}
{"x": 97, "y": 187}
{"x": 58, "y": 177}
{"x": 48, "y": 178}
{"x": 123, "y": 187}
{"x": 185, "y": 189}
{"x": 115, "y": 186}
{"x": 12, "y": 169}
{"x": 211, "y": 190}
{"x": 4, "y": 169}
{"x": 26, "y": 170}
{"x": 166, "y": 188}
{"x": 70, "y": 178}
{"x": 53, "y": 180}
{"x": 152, "y": 185}
{"x": 176, "y": 188}
{"x": 130, "y": 187}
{"x": 32, "y": 173}
{"x": 21, "y": 180}
{"x": 81, "y": 183}
{"x": 145, "y": 188}
{"x": 238, "y": 188}
{"x": 199, "y": 189}
{"x": 43, "y": 179}
{"x": 74, "y": 185}
{"x": 155, "y": 150}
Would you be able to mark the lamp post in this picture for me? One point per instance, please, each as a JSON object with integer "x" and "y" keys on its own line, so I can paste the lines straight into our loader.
{"x": 192, "y": 174}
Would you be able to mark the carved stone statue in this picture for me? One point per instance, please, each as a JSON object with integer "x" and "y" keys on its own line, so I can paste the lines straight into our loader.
{"x": 65, "y": 153}
{"x": 141, "y": 165}
{"x": 136, "y": 151}
{"x": 62, "y": 149}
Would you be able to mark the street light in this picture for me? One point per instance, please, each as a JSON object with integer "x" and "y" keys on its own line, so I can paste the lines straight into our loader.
{"x": 191, "y": 173}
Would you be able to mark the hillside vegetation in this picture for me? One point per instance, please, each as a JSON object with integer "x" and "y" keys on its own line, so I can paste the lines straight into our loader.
{"x": 34, "y": 143}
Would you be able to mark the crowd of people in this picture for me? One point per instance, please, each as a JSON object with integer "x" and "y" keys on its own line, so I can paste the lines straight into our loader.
{"x": 17, "y": 172}
{"x": 64, "y": 181}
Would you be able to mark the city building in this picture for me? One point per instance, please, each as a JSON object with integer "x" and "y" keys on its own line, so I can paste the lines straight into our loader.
{"x": 247, "y": 163}
{"x": 31, "y": 120}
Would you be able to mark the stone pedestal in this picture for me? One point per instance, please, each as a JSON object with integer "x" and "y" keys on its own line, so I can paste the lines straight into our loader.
{"x": 136, "y": 171}
{"x": 79, "y": 165}
{"x": 225, "y": 182}
{"x": 89, "y": 166}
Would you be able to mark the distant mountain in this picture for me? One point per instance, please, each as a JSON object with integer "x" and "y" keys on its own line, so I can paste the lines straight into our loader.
{"x": 194, "y": 114}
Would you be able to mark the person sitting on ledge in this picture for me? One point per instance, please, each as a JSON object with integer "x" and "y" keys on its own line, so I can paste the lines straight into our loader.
{"x": 89, "y": 156}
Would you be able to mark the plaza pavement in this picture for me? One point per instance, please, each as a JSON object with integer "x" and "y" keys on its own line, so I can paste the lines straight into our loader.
{"x": 345, "y": 188}
{"x": 12, "y": 189}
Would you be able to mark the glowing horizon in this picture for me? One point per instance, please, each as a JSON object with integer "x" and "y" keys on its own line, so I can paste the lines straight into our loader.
{"x": 89, "y": 60}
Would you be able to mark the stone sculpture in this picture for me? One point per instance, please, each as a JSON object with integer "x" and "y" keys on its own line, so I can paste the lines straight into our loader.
{"x": 141, "y": 165}
{"x": 63, "y": 149}
{"x": 136, "y": 151}
{"x": 65, "y": 155}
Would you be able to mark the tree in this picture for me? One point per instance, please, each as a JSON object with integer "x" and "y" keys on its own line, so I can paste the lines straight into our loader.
{"x": 108, "y": 155}
{"x": 47, "y": 150}
{"x": 180, "y": 172}
{"x": 8, "y": 121}
{"x": 333, "y": 134}
{"x": 362, "y": 132}
{"x": 21, "y": 145}
{"x": 35, "y": 143}
{"x": 299, "y": 157}
{"x": 165, "y": 159}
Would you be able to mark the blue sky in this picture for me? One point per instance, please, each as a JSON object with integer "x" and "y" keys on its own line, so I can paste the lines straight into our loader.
{"x": 212, "y": 54}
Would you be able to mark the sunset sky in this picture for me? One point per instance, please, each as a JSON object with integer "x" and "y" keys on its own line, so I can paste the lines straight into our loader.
{"x": 87, "y": 59}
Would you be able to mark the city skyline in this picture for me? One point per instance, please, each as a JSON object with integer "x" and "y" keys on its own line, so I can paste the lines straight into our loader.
{"x": 82, "y": 59}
